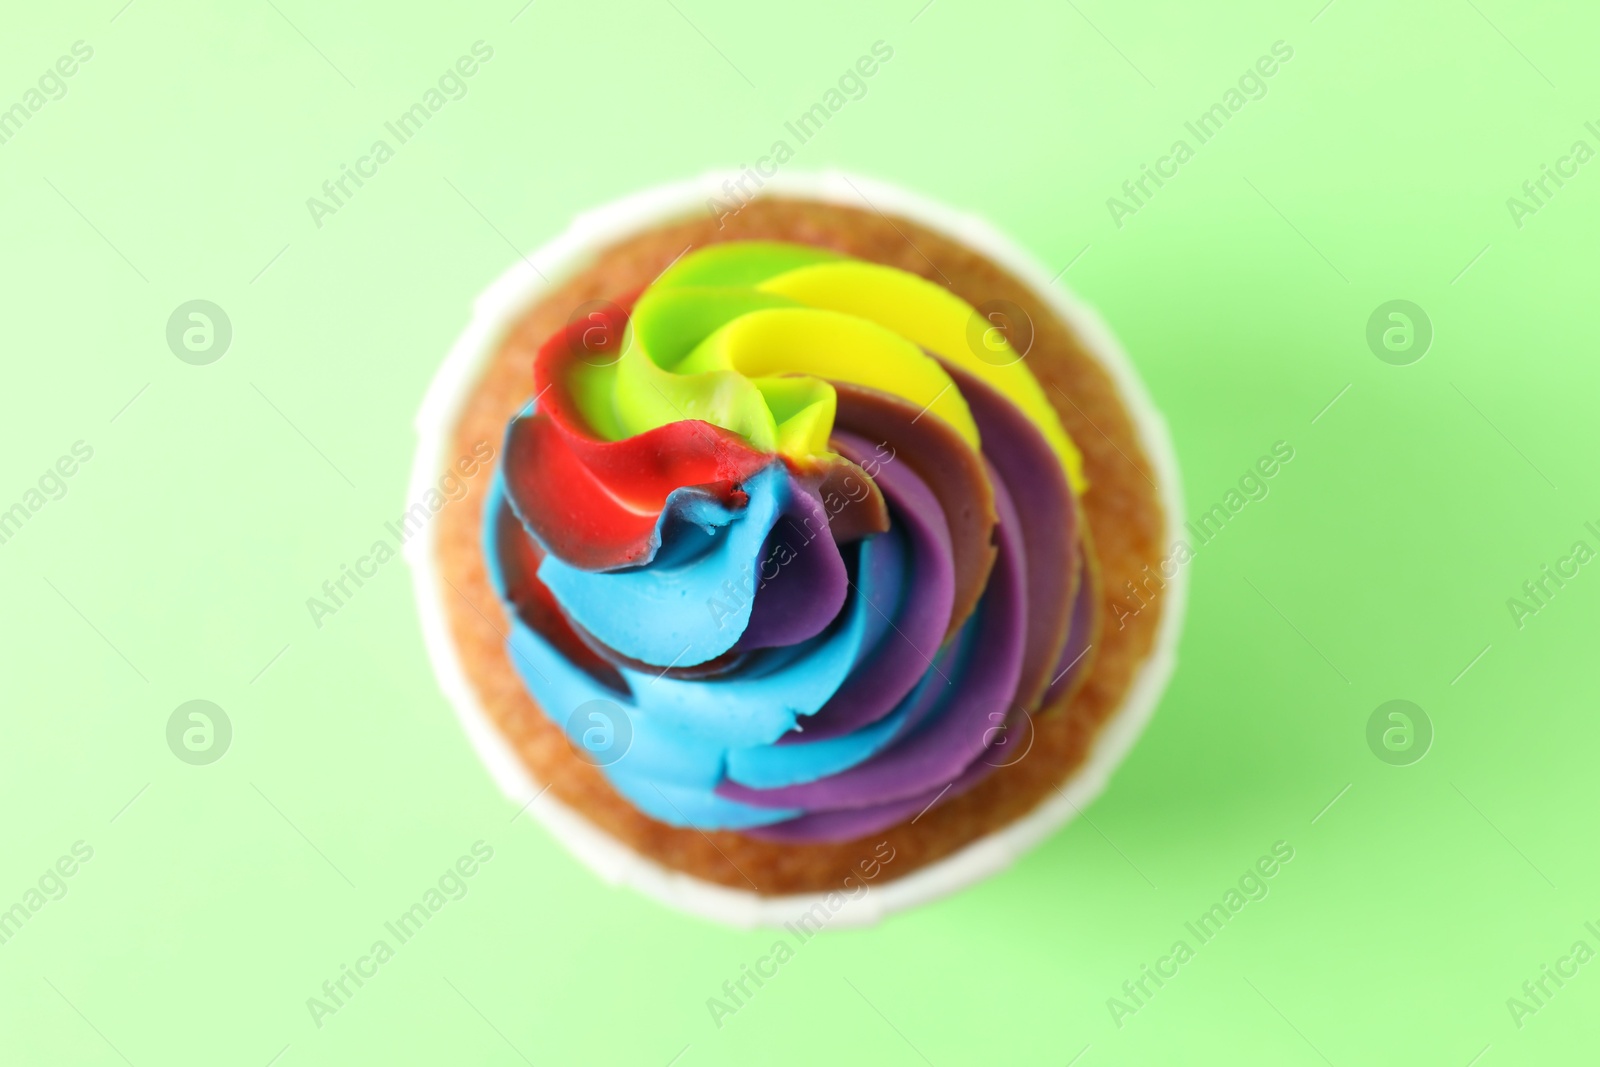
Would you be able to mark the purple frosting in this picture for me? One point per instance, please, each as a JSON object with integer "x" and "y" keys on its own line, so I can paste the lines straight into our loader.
{"x": 807, "y": 582}
{"x": 909, "y": 646}
{"x": 976, "y": 699}
{"x": 1048, "y": 512}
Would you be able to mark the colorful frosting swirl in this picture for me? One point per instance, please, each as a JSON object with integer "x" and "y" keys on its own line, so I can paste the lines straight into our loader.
{"x": 809, "y": 524}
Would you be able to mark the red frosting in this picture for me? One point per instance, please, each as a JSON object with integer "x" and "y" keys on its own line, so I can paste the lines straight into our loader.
{"x": 599, "y": 501}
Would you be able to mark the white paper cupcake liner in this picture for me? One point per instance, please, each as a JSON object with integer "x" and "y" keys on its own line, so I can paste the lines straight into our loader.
{"x": 497, "y": 310}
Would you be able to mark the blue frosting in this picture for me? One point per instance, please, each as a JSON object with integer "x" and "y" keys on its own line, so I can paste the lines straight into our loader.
{"x": 683, "y": 745}
{"x": 661, "y": 613}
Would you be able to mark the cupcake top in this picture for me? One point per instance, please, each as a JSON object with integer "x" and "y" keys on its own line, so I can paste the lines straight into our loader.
{"x": 790, "y": 543}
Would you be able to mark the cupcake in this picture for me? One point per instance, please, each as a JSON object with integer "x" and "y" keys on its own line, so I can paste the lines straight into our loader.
{"x": 817, "y": 565}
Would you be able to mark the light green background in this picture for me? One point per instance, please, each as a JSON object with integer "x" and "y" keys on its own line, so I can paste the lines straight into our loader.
{"x": 1377, "y": 167}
